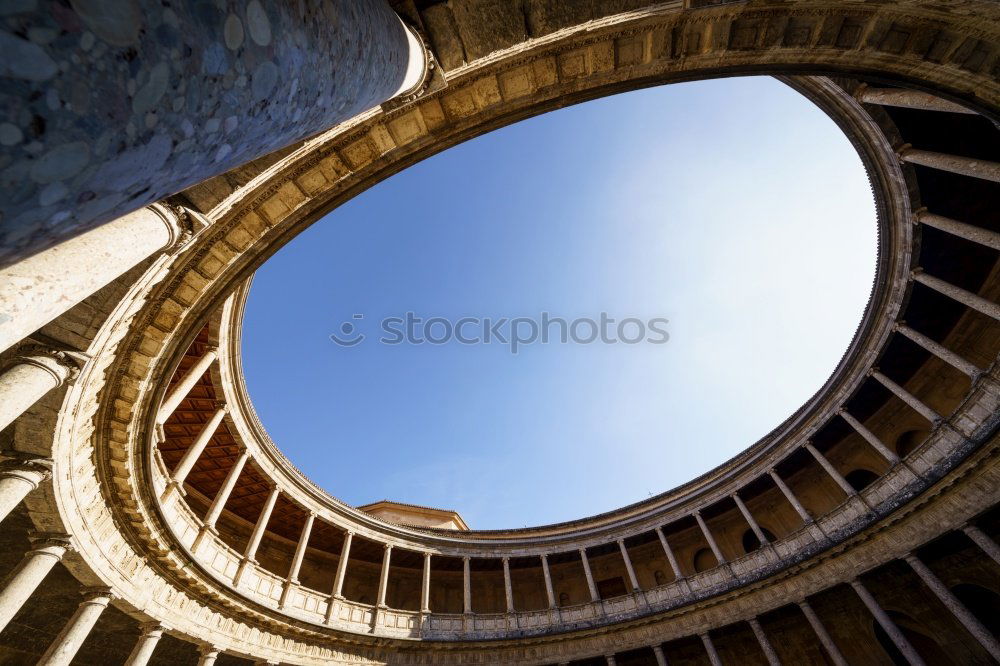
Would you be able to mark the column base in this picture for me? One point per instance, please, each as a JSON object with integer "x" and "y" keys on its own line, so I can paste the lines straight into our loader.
{"x": 172, "y": 492}
{"x": 203, "y": 533}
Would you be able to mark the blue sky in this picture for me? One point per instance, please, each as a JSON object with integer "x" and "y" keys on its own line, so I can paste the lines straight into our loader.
{"x": 733, "y": 208}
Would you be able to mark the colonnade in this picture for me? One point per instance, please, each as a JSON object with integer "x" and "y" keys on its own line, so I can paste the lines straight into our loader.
{"x": 190, "y": 457}
{"x": 48, "y": 549}
{"x": 46, "y": 284}
{"x": 962, "y": 614}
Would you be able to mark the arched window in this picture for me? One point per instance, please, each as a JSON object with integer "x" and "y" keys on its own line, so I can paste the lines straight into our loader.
{"x": 660, "y": 577}
{"x": 981, "y": 602}
{"x": 752, "y": 543}
{"x": 704, "y": 560}
{"x": 861, "y": 478}
{"x": 917, "y": 636}
{"x": 909, "y": 440}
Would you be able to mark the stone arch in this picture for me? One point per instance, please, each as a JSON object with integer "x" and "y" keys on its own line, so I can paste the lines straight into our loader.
{"x": 703, "y": 560}
{"x": 908, "y": 441}
{"x": 750, "y": 542}
{"x": 860, "y": 478}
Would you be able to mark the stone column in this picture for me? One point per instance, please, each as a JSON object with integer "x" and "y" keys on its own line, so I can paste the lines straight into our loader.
{"x": 965, "y": 166}
{"x": 18, "y": 478}
{"x": 984, "y": 541}
{"x": 250, "y": 553}
{"x": 961, "y": 613}
{"x": 765, "y": 644}
{"x": 191, "y": 456}
{"x": 628, "y": 566}
{"x": 69, "y": 640}
{"x": 549, "y": 592}
{"x": 822, "y": 634}
{"x": 33, "y": 374}
{"x": 300, "y": 552}
{"x": 383, "y": 579}
{"x": 713, "y": 656}
{"x": 148, "y": 126}
{"x": 466, "y": 586}
{"x": 207, "y": 655}
{"x": 219, "y": 503}
{"x": 709, "y": 538}
{"x": 669, "y": 552}
{"x": 507, "y": 588}
{"x": 939, "y": 350}
{"x": 961, "y": 229}
{"x": 36, "y": 290}
{"x": 594, "y": 594}
{"x": 143, "y": 650}
{"x": 790, "y": 496}
{"x": 610, "y": 658}
{"x": 185, "y": 384}
{"x": 46, "y": 550}
{"x": 906, "y": 397}
{"x": 345, "y": 553}
{"x": 963, "y": 296}
{"x": 661, "y": 659}
{"x": 887, "y": 624}
{"x": 830, "y": 469}
{"x": 425, "y": 586}
{"x": 909, "y": 99}
{"x": 870, "y": 437}
{"x": 749, "y": 518}
{"x": 221, "y": 497}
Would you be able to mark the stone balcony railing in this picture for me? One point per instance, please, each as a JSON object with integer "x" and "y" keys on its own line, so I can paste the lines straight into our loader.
{"x": 939, "y": 452}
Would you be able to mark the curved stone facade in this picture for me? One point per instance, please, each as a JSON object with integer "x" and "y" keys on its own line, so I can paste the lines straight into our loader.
{"x": 860, "y": 530}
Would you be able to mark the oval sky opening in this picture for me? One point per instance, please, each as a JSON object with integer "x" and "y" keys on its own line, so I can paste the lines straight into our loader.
{"x": 729, "y": 221}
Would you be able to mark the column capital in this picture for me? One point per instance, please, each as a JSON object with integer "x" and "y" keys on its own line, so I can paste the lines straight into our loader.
{"x": 183, "y": 223}
{"x": 208, "y": 648}
{"x": 98, "y": 594}
{"x": 30, "y": 468}
{"x": 40, "y": 540}
{"x": 152, "y": 627}
{"x": 420, "y": 79}
{"x": 63, "y": 365}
